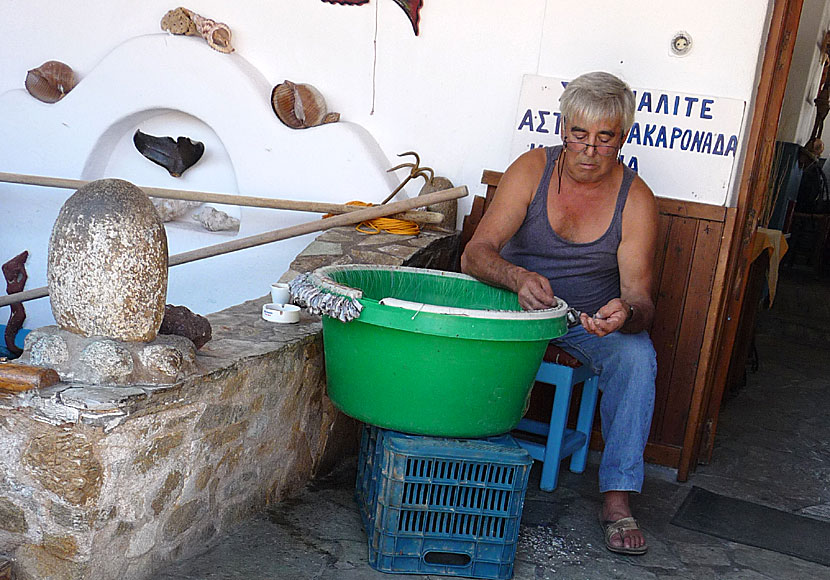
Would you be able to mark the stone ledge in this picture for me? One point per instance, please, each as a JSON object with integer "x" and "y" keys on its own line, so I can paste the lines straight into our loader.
{"x": 112, "y": 482}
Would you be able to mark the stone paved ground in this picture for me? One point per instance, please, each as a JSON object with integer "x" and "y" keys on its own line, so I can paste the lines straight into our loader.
{"x": 773, "y": 447}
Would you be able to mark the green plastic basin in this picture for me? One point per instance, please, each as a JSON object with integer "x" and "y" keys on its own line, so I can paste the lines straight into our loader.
{"x": 434, "y": 353}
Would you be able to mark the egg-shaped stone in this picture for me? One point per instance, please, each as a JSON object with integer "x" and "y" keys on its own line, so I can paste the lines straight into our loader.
{"x": 107, "y": 264}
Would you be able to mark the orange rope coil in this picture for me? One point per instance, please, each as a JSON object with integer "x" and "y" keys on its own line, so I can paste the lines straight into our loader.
{"x": 384, "y": 224}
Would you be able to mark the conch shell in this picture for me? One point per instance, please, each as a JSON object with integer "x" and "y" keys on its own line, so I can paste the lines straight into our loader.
{"x": 183, "y": 21}
{"x": 301, "y": 106}
{"x": 50, "y": 81}
{"x": 217, "y": 34}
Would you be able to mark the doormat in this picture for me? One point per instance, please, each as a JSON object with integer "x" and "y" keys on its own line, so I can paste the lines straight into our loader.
{"x": 752, "y": 524}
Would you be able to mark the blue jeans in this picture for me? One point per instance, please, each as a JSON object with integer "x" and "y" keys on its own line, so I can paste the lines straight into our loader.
{"x": 627, "y": 367}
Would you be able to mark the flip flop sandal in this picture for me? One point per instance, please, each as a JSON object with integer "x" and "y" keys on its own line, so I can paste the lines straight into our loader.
{"x": 621, "y": 526}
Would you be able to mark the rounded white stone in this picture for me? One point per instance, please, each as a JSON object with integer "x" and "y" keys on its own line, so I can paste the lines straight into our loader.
{"x": 107, "y": 265}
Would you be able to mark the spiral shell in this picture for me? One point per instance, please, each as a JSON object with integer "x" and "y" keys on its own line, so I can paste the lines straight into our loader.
{"x": 217, "y": 34}
{"x": 301, "y": 106}
{"x": 50, "y": 81}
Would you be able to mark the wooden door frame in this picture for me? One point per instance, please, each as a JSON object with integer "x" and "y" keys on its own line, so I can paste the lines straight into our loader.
{"x": 733, "y": 263}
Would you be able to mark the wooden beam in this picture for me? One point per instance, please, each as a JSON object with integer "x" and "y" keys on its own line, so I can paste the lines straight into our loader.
{"x": 751, "y": 196}
{"x": 422, "y": 217}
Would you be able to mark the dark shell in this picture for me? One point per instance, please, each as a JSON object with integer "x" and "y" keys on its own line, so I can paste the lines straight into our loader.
{"x": 412, "y": 9}
{"x": 50, "y": 81}
{"x": 175, "y": 156}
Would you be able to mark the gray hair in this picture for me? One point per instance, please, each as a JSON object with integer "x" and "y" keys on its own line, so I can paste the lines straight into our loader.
{"x": 595, "y": 96}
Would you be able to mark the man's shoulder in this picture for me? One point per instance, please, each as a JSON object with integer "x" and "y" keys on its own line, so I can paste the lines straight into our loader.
{"x": 531, "y": 161}
{"x": 524, "y": 173}
{"x": 640, "y": 198}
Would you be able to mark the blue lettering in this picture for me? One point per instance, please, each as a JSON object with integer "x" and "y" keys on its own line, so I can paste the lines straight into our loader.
{"x": 661, "y": 137}
{"x": 645, "y": 102}
{"x": 663, "y": 102}
{"x": 676, "y": 104}
{"x": 686, "y": 139}
{"x": 697, "y": 142}
{"x": 634, "y": 134}
{"x": 540, "y": 128}
{"x": 705, "y": 108}
{"x": 527, "y": 121}
{"x": 718, "y": 150}
{"x": 558, "y": 116}
{"x": 676, "y": 132}
{"x": 647, "y": 138}
{"x": 632, "y": 163}
{"x": 690, "y": 101}
{"x": 732, "y": 146}
{"x": 707, "y": 144}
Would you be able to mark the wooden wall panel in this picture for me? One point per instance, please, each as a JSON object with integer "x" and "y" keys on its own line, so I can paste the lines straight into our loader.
{"x": 692, "y": 323}
{"x": 669, "y": 310}
{"x": 663, "y": 226}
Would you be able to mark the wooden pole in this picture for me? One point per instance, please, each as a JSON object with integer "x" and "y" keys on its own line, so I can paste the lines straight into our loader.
{"x": 421, "y": 217}
{"x": 345, "y": 219}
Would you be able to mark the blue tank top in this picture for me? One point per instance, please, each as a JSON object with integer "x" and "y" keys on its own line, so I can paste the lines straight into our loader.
{"x": 586, "y": 276}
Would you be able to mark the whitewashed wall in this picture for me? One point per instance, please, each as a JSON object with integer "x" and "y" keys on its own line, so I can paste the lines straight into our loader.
{"x": 450, "y": 94}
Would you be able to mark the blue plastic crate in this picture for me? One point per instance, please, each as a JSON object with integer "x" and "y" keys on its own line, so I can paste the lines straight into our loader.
{"x": 442, "y": 506}
{"x": 365, "y": 491}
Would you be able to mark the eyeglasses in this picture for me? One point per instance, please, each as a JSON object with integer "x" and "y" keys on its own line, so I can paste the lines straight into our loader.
{"x": 603, "y": 150}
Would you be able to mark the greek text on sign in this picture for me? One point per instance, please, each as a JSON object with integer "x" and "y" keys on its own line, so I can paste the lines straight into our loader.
{"x": 683, "y": 145}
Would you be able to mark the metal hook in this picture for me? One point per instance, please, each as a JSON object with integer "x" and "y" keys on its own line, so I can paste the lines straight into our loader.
{"x": 415, "y": 171}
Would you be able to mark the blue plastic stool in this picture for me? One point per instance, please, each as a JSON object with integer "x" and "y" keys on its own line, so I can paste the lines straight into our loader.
{"x": 561, "y": 441}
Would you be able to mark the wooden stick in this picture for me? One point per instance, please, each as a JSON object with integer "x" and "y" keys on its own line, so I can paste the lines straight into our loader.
{"x": 421, "y": 217}
{"x": 19, "y": 377}
{"x": 345, "y": 219}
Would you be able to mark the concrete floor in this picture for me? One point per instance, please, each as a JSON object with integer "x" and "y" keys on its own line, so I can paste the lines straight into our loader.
{"x": 772, "y": 447}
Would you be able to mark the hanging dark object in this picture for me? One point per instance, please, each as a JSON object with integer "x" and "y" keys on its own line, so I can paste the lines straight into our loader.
{"x": 15, "y": 273}
{"x": 411, "y": 7}
{"x": 175, "y": 156}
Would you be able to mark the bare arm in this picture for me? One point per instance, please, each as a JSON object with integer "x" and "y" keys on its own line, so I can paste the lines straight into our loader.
{"x": 635, "y": 257}
{"x": 503, "y": 218}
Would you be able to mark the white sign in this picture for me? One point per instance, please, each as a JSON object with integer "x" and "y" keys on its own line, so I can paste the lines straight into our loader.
{"x": 682, "y": 145}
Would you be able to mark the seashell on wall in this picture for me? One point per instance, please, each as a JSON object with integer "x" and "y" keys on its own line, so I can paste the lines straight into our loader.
{"x": 301, "y": 105}
{"x": 175, "y": 156}
{"x": 50, "y": 81}
{"x": 177, "y": 21}
{"x": 217, "y": 34}
{"x": 184, "y": 21}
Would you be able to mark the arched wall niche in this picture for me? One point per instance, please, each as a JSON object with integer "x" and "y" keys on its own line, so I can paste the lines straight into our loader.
{"x": 170, "y": 86}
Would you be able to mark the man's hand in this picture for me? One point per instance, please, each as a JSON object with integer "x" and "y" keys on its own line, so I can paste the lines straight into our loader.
{"x": 608, "y": 319}
{"x": 534, "y": 291}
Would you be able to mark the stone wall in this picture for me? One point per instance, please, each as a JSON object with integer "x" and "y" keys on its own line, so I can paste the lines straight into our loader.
{"x": 102, "y": 482}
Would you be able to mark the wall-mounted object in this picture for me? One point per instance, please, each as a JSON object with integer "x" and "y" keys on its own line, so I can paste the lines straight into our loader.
{"x": 681, "y": 44}
{"x": 411, "y": 7}
{"x": 50, "y": 81}
{"x": 183, "y": 21}
{"x": 301, "y": 106}
{"x": 175, "y": 156}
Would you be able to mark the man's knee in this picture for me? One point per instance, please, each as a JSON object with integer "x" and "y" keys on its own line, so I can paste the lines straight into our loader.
{"x": 634, "y": 354}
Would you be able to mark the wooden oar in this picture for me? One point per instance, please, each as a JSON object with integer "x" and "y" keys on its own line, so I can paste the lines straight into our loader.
{"x": 421, "y": 217}
{"x": 345, "y": 219}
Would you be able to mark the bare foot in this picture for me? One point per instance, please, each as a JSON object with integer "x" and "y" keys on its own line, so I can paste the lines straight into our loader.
{"x": 614, "y": 508}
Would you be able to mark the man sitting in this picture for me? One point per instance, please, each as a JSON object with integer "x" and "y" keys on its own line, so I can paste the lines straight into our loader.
{"x": 574, "y": 221}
